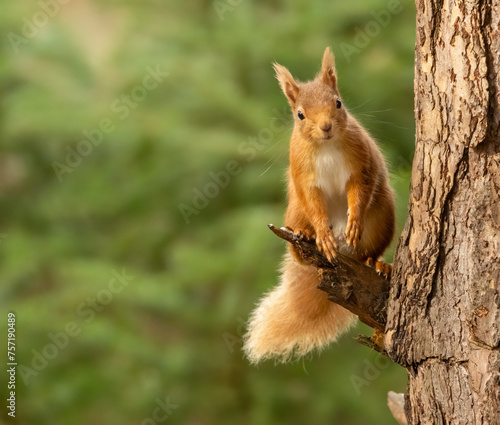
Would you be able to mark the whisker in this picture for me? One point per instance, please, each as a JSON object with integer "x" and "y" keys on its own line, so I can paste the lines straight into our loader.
{"x": 274, "y": 162}
{"x": 359, "y": 106}
{"x": 380, "y": 110}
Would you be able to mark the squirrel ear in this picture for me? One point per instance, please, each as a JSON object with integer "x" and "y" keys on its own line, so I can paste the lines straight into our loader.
{"x": 328, "y": 73}
{"x": 287, "y": 83}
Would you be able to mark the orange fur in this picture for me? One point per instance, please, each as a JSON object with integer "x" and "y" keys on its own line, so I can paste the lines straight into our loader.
{"x": 338, "y": 192}
{"x": 295, "y": 317}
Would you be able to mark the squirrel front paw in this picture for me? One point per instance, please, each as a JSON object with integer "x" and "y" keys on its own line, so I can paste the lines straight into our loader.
{"x": 353, "y": 231}
{"x": 326, "y": 243}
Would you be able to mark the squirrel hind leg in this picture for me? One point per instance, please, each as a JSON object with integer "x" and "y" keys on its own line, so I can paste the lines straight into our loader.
{"x": 295, "y": 318}
{"x": 380, "y": 267}
{"x": 383, "y": 269}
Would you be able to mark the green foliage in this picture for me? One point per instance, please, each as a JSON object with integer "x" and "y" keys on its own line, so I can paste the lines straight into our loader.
{"x": 174, "y": 330}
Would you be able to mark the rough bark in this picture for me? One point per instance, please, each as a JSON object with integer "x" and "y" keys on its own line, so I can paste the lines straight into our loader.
{"x": 444, "y": 308}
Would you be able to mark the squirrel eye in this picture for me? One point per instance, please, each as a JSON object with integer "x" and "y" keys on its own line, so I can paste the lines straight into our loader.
{"x": 300, "y": 115}
{"x": 339, "y": 104}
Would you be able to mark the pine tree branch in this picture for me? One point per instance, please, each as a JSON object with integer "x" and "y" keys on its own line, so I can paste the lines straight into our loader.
{"x": 349, "y": 283}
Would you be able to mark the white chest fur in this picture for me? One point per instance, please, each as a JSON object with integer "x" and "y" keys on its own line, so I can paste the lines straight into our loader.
{"x": 331, "y": 170}
{"x": 332, "y": 174}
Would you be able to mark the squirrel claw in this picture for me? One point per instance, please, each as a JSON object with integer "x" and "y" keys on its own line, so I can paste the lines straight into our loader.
{"x": 327, "y": 246}
{"x": 302, "y": 234}
{"x": 382, "y": 269}
{"x": 353, "y": 232}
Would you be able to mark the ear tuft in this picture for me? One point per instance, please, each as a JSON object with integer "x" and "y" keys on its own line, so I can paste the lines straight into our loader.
{"x": 328, "y": 73}
{"x": 287, "y": 83}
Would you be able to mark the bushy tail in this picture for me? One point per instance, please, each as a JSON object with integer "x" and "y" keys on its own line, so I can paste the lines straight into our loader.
{"x": 295, "y": 317}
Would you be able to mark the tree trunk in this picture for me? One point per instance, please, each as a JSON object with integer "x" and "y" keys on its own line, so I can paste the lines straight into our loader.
{"x": 443, "y": 319}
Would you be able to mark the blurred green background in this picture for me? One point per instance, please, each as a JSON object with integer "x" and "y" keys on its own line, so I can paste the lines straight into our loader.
{"x": 99, "y": 351}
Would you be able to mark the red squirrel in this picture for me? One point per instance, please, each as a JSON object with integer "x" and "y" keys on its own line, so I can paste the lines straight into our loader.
{"x": 338, "y": 194}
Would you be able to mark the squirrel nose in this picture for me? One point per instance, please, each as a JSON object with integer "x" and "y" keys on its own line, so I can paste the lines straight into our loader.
{"x": 326, "y": 126}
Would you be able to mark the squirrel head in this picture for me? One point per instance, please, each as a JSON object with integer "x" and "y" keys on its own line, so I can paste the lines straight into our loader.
{"x": 318, "y": 111}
